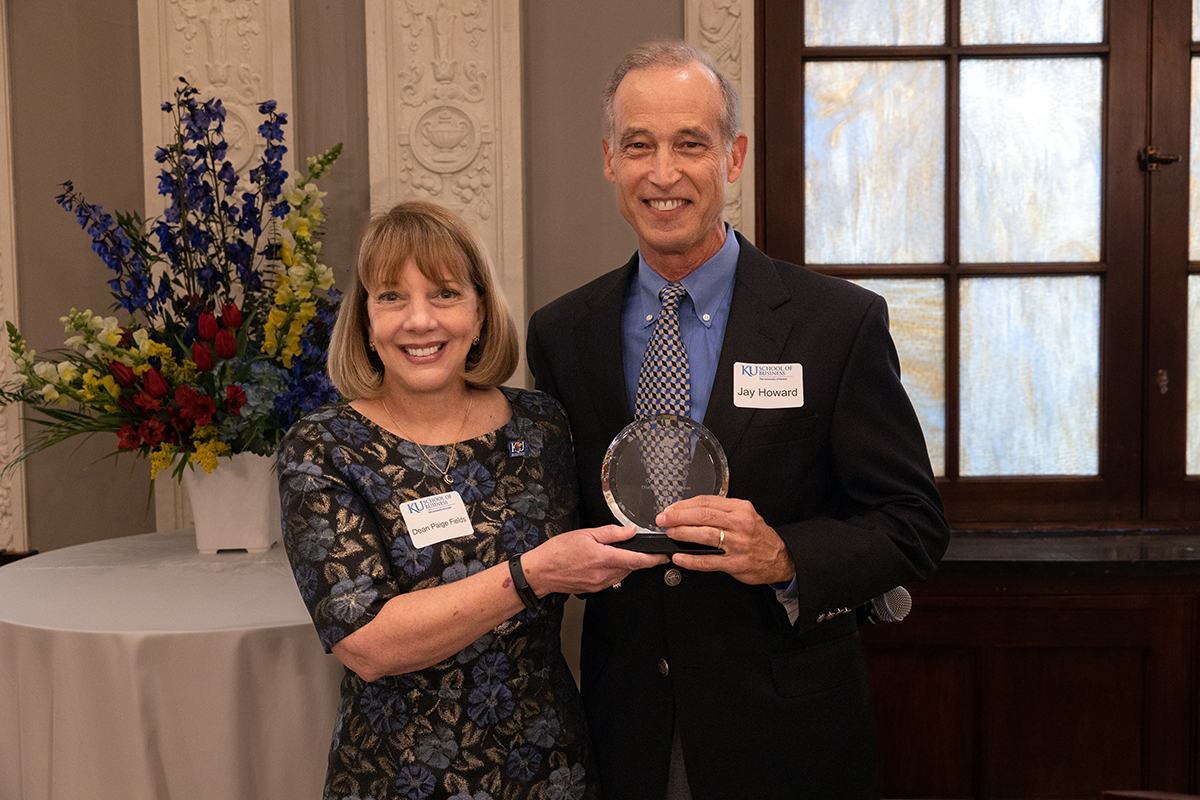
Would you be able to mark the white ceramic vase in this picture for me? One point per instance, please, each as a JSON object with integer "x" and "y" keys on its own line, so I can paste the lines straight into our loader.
{"x": 236, "y": 506}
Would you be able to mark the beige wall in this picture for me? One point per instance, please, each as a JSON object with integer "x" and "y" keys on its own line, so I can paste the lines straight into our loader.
{"x": 73, "y": 73}
{"x": 75, "y": 86}
{"x": 574, "y": 230}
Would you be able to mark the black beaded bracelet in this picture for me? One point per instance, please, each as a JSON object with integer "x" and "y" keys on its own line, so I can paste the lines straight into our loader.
{"x": 522, "y": 586}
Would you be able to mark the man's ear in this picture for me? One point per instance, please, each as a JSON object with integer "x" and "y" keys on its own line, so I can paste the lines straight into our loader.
{"x": 737, "y": 157}
{"x": 608, "y": 157}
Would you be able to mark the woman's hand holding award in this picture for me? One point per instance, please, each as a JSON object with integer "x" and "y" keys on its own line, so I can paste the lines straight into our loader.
{"x": 654, "y": 462}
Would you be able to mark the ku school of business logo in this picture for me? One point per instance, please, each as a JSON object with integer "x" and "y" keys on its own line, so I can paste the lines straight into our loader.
{"x": 426, "y": 504}
{"x": 766, "y": 370}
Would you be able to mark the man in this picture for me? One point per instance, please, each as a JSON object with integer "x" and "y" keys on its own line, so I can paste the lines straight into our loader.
{"x": 737, "y": 675}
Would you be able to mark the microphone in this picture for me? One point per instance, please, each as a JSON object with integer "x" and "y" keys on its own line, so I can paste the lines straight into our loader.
{"x": 890, "y": 606}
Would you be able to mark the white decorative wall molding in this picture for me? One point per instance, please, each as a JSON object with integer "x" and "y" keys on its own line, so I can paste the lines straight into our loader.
{"x": 444, "y": 108}
{"x": 237, "y": 50}
{"x": 725, "y": 30}
{"x": 14, "y": 534}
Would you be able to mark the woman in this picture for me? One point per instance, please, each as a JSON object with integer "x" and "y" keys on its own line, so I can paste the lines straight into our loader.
{"x": 428, "y": 525}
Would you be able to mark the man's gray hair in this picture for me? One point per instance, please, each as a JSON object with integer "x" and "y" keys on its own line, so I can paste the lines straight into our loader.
{"x": 674, "y": 54}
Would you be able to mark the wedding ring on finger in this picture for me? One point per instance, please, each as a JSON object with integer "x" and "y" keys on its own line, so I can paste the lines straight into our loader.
{"x": 721, "y": 541}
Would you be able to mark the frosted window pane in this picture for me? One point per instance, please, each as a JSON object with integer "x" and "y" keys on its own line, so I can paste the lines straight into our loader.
{"x": 1030, "y": 164}
{"x": 1194, "y": 169}
{"x": 1195, "y": 21}
{"x": 874, "y": 22}
{"x": 874, "y": 154}
{"x": 917, "y": 310}
{"x": 1040, "y": 21}
{"x": 1193, "y": 376}
{"x": 1029, "y": 376}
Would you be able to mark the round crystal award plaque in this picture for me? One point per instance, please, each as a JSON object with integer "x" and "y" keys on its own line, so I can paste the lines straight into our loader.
{"x": 654, "y": 462}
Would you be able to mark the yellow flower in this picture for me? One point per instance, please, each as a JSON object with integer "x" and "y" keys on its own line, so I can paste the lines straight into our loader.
{"x": 154, "y": 349}
{"x": 110, "y": 385}
{"x": 161, "y": 459}
{"x": 204, "y": 432}
{"x": 283, "y": 292}
{"x": 206, "y": 454}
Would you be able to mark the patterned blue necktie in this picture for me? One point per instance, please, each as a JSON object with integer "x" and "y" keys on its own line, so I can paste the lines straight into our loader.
{"x": 665, "y": 387}
{"x": 665, "y": 381}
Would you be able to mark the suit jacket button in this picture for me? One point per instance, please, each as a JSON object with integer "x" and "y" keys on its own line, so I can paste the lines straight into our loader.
{"x": 664, "y": 668}
{"x": 673, "y": 577}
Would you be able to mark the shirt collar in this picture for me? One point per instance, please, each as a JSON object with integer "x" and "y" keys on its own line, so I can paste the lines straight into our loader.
{"x": 707, "y": 285}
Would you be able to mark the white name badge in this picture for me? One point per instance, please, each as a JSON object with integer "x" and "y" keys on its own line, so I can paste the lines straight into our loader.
{"x": 768, "y": 385}
{"x": 436, "y": 518}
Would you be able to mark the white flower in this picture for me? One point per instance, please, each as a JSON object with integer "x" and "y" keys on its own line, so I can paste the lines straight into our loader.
{"x": 67, "y": 372}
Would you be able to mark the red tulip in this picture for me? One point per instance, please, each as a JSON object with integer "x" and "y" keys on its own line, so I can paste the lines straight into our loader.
{"x": 202, "y": 356}
{"x": 225, "y": 344}
{"x": 155, "y": 383}
{"x": 231, "y": 316}
{"x": 206, "y": 326}
{"x": 122, "y": 373}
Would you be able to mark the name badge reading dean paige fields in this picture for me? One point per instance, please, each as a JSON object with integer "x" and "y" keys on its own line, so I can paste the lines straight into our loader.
{"x": 436, "y": 518}
{"x": 768, "y": 385}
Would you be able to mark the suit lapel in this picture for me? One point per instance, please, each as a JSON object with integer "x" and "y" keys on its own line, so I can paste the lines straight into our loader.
{"x": 756, "y": 333}
{"x": 598, "y": 336}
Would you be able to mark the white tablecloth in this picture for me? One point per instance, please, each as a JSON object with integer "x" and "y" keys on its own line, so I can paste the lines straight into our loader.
{"x": 137, "y": 668}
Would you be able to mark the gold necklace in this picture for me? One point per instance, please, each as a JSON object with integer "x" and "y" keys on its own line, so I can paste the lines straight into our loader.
{"x": 458, "y": 436}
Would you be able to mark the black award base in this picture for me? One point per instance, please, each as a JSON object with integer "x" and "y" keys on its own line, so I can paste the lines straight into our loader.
{"x": 661, "y": 544}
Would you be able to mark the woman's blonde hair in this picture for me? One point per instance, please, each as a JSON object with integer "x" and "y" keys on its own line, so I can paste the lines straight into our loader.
{"x": 444, "y": 249}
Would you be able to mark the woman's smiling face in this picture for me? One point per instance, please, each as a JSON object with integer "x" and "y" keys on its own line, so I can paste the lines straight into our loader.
{"x": 422, "y": 329}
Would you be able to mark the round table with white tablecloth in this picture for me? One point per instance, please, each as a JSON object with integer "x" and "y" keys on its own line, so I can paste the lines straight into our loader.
{"x": 137, "y": 668}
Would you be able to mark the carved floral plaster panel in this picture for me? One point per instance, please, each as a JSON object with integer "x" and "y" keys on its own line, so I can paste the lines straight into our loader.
{"x": 237, "y": 50}
{"x": 443, "y": 93}
{"x": 725, "y": 30}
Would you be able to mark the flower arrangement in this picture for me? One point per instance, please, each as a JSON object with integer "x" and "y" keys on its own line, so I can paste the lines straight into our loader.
{"x": 228, "y": 308}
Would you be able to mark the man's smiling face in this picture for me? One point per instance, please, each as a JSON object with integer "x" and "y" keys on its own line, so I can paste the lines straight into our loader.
{"x": 670, "y": 165}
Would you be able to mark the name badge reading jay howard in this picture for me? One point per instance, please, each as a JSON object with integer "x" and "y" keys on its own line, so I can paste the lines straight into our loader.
{"x": 768, "y": 385}
{"x": 436, "y": 518}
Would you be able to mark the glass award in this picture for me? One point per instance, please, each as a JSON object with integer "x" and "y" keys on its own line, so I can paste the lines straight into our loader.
{"x": 654, "y": 462}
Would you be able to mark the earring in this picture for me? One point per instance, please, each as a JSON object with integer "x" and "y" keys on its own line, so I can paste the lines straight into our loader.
{"x": 475, "y": 342}
{"x": 372, "y": 346}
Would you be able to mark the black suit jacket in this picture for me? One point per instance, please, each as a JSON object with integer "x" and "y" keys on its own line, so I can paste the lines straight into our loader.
{"x": 764, "y": 708}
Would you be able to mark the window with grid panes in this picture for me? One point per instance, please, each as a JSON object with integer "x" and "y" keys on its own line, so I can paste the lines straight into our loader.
{"x": 983, "y": 165}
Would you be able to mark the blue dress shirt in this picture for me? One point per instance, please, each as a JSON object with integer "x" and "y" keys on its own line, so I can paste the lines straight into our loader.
{"x": 702, "y": 317}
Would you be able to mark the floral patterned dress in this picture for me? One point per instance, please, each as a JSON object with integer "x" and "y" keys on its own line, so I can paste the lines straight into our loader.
{"x": 498, "y": 721}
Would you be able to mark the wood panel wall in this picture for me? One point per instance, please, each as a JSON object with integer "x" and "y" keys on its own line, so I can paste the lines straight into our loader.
{"x": 1057, "y": 685}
